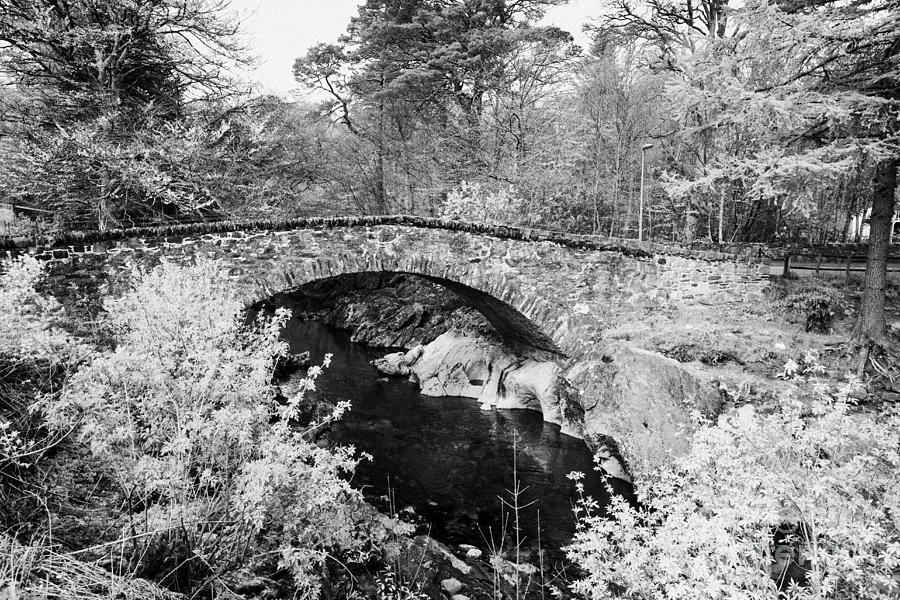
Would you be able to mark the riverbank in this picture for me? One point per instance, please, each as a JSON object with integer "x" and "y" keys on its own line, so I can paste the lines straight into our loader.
{"x": 633, "y": 394}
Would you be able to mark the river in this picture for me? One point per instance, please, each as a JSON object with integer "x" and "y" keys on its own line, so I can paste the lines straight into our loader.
{"x": 444, "y": 459}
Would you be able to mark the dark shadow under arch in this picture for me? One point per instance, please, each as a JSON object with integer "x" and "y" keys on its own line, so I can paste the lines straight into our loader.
{"x": 512, "y": 325}
{"x": 514, "y": 328}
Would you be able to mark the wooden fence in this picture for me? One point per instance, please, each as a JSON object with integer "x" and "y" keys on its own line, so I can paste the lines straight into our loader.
{"x": 835, "y": 261}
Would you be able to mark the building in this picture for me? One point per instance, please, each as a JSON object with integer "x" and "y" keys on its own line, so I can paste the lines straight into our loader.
{"x": 859, "y": 226}
{"x": 18, "y": 220}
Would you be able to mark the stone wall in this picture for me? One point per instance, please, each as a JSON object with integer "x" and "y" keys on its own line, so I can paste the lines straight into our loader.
{"x": 686, "y": 279}
{"x": 550, "y": 291}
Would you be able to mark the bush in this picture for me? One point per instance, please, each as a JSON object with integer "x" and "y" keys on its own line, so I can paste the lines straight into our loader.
{"x": 815, "y": 307}
{"x": 28, "y": 331}
{"x": 35, "y": 358}
{"x": 805, "y": 499}
{"x": 215, "y": 475}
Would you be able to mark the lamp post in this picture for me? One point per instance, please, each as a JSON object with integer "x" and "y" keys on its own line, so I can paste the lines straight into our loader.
{"x": 644, "y": 149}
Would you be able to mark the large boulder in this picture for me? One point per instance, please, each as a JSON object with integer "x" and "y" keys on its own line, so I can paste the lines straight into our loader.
{"x": 459, "y": 364}
{"x": 479, "y": 367}
{"x": 540, "y": 385}
{"x": 638, "y": 406}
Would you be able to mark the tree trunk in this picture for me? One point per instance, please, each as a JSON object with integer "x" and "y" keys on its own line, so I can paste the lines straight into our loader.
{"x": 615, "y": 198}
{"x": 721, "y": 216}
{"x": 379, "y": 206}
{"x": 870, "y": 325}
{"x": 690, "y": 224}
{"x": 380, "y": 196}
{"x": 595, "y": 226}
{"x": 848, "y": 222}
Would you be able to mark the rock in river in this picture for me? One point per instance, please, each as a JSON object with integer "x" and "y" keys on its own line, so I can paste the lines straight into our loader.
{"x": 476, "y": 366}
{"x": 638, "y": 404}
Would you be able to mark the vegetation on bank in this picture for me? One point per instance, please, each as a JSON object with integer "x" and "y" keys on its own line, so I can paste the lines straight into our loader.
{"x": 803, "y": 500}
{"x": 796, "y": 481}
{"x": 205, "y": 475}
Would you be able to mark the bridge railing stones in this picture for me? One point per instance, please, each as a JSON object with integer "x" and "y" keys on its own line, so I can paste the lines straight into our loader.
{"x": 61, "y": 245}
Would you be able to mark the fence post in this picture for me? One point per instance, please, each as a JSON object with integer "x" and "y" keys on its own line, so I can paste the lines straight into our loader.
{"x": 847, "y": 272}
{"x": 787, "y": 264}
{"x": 818, "y": 262}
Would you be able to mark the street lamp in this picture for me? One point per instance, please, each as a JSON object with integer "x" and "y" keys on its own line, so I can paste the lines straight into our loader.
{"x": 644, "y": 149}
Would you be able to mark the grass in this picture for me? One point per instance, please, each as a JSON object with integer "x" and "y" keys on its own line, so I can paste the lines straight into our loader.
{"x": 40, "y": 572}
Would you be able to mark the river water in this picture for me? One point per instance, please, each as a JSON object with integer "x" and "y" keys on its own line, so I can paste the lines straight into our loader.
{"x": 444, "y": 459}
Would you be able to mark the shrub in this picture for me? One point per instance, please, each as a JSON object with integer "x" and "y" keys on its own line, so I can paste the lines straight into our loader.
{"x": 215, "y": 475}
{"x": 813, "y": 485}
{"x": 35, "y": 357}
{"x": 815, "y": 307}
{"x": 28, "y": 316}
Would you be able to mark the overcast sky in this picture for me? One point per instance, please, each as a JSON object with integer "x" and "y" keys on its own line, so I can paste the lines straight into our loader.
{"x": 279, "y": 31}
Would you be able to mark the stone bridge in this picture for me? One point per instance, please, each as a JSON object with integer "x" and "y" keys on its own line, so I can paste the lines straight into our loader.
{"x": 547, "y": 290}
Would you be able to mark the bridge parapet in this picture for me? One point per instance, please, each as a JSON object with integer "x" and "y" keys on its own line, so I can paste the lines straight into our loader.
{"x": 78, "y": 239}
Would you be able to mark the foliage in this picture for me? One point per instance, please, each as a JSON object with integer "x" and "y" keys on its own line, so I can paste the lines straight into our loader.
{"x": 79, "y": 58}
{"x": 432, "y": 94}
{"x": 182, "y": 409}
{"x": 35, "y": 357}
{"x": 251, "y": 158}
{"x": 472, "y": 202}
{"x": 28, "y": 314}
{"x": 95, "y": 102}
{"x": 769, "y": 124}
{"x": 388, "y": 588}
{"x": 811, "y": 485}
{"x": 815, "y": 306}
{"x": 808, "y": 365}
{"x": 89, "y": 175}
{"x": 262, "y": 157}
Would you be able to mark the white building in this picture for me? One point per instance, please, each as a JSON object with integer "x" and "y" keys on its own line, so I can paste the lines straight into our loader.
{"x": 859, "y": 225}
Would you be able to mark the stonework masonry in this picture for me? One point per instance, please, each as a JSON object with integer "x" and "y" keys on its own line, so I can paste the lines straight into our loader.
{"x": 548, "y": 290}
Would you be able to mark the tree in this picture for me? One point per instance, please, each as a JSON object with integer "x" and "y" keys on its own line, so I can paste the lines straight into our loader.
{"x": 416, "y": 82}
{"x": 264, "y": 156}
{"x": 619, "y": 107}
{"x": 871, "y": 322}
{"x": 96, "y": 95}
{"x": 77, "y": 58}
{"x": 670, "y": 29}
{"x": 785, "y": 103}
{"x": 667, "y": 36}
{"x": 851, "y": 83}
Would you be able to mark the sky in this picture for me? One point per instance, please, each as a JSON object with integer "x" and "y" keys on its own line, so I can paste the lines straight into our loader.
{"x": 279, "y": 31}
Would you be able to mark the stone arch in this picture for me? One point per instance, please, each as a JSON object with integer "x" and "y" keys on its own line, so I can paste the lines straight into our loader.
{"x": 518, "y": 315}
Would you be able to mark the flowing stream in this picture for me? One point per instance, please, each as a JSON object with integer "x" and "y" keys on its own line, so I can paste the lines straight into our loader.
{"x": 444, "y": 459}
